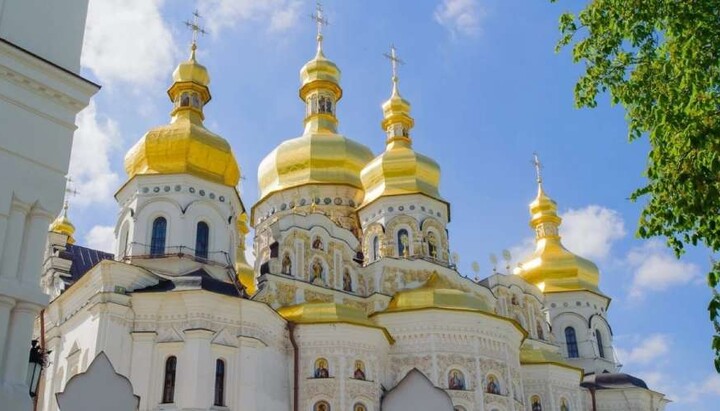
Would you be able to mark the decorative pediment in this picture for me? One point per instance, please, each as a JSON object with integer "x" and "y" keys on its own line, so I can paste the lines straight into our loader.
{"x": 100, "y": 387}
{"x": 168, "y": 334}
{"x": 224, "y": 337}
{"x": 415, "y": 392}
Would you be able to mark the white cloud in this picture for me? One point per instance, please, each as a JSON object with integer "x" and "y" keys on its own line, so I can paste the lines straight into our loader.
{"x": 101, "y": 238}
{"x": 128, "y": 41}
{"x": 460, "y": 16}
{"x": 220, "y": 14}
{"x": 591, "y": 231}
{"x": 647, "y": 351}
{"x": 94, "y": 142}
{"x": 656, "y": 269}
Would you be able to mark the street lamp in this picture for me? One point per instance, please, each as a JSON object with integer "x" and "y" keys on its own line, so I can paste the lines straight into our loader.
{"x": 35, "y": 366}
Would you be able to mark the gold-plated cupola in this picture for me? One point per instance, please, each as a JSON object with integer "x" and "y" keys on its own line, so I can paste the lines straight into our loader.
{"x": 320, "y": 155}
{"x": 553, "y": 268}
{"x": 62, "y": 225}
{"x": 399, "y": 169}
{"x": 185, "y": 145}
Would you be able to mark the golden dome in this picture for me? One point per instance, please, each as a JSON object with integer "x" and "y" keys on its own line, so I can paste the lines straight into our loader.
{"x": 320, "y": 155}
{"x": 62, "y": 225}
{"x": 185, "y": 146}
{"x": 399, "y": 170}
{"x": 244, "y": 271}
{"x": 553, "y": 268}
{"x": 436, "y": 293}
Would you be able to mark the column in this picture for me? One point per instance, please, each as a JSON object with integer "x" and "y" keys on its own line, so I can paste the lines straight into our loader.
{"x": 141, "y": 366}
{"x": 34, "y": 247}
{"x": 18, "y": 344}
{"x": 13, "y": 240}
{"x": 6, "y": 305}
{"x": 195, "y": 384}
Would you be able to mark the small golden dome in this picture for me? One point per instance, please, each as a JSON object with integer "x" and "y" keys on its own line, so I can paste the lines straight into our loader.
{"x": 553, "y": 268}
{"x": 436, "y": 293}
{"x": 62, "y": 225}
{"x": 185, "y": 145}
{"x": 244, "y": 271}
{"x": 320, "y": 155}
{"x": 399, "y": 170}
{"x": 191, "y": 71}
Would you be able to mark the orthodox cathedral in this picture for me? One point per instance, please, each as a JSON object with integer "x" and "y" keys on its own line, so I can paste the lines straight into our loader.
{"x": 353, "y": 303}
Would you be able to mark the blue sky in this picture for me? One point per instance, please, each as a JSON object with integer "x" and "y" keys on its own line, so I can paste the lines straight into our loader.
{"x": 487, "y": 91}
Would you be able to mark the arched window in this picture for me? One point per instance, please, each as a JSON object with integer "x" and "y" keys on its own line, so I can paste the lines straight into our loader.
{"x": 456, "y": 380}
{"x": 535, "y": 403}
{"x": 184, "y": 100}
{"x": 432, "y": 245}
{"x": 403, "y": 243}
{"x": 347, "y": 281}
{"x": 571, "y": 341}
{"x": 318, "y": 244}
{"x": 157, "y": 242}
{"x": 564, "y": 405}
{"x": 220, "y": 382}
{"x": 321, "y": 406}
{"x": 168, "y": 395}
{"x": 202, "y": 238}
{"x": 124, "y": 233}
{"x": 540, "y": 333}
{"x": 359, "y": 407}
{"x": 375, "y": 248}
{"x": 601, "y": 347}
{"x": 286, "y": 265}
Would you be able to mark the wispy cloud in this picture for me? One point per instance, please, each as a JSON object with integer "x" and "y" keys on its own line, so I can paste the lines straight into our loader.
{"x": 128, "y": 41}
{"x": 656, "y": 269}
{"x": 645, "y": 350}
{"x": 101, "y": 238}
{"x": 281, "y": 15}
{"x": 460, "y": 17}
{"x": 96, "y": 139}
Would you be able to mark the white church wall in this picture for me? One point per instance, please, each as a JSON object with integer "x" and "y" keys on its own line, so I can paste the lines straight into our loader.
{"x": 438, "y": 341}
{"x": 341, "y": 346}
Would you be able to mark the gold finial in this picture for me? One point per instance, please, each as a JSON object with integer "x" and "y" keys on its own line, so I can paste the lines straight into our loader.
{"x": 320, "y": 21}
{"x": 196, "y": 29}
{"x": 394, "y": 61}
{"x": 538, "y": 168}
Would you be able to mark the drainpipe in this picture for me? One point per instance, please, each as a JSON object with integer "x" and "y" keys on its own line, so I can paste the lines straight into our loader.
{"x": 42, "y": 345}
{"x": 296, "y": 365}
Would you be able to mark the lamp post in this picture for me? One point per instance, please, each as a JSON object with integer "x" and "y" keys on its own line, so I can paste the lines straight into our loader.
{"x": 36, "y": 363}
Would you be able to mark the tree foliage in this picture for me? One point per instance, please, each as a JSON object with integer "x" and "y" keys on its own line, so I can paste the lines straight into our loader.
{"x": 660, "y": 59}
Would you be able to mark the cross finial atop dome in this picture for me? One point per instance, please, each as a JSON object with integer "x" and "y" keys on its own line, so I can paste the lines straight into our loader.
{"x": 196, "y": 29}
{"x": 538, "y": 168}
{"x": 320, "y": 21}
{"x": 394, "y": 61}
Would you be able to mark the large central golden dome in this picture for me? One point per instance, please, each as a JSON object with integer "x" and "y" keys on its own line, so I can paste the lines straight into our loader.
{"x": 185, "y": 145}
{"x": 320, "y": 155}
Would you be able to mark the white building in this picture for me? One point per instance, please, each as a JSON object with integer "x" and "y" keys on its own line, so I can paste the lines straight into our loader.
{"x": 40, "y": 94}
{"x": 353, "y": 303}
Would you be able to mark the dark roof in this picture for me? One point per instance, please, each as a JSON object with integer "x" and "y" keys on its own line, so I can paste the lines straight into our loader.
{"x": 207, "y": 282}
{"x": 83, "y": 259}
{"x": 607, "y": 381}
